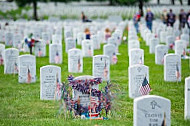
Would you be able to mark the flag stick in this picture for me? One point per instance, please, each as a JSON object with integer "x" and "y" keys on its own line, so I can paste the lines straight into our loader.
{"x": 90, "y": 101}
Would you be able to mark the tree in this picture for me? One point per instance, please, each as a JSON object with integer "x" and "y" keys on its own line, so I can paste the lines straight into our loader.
{"x": 173, "y": 2}
{"x": 181, "y": 2}
{"x": 22, "y": 3}
{"x": 141, "y": 7}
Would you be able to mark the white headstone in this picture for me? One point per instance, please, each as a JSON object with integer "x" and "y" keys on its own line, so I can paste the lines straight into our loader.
{"x": 96, "y": 42}
{"x": 8, "y": 39}
{"x": 11, "y": 61}
{"x": 75, "y": 61}
{"x": 113, "y": 41}
{"x": 150, "y": 37}
{"x": 177, "y": 33}
{"x": 153, "y": 43}
{"x": 80, "y": 38}
{"x": 133, "y": 44}
{"x": 68, "y": 34}
{"x": 169, "y": 31}
{"x": 70, "y": 44}
{"x": 37, "y": 34}
{"x": 50, "y": 82}
{"x": 172, "y": 67}
{"x": 136, "y": 56}
{"x": 46, "y": 37}
{"x": 160, "y": 52}
{"x": 180, "y": 47}
{"x": 100, "y": 35}
{"x": 56, "y": 39}
{"x": 137, "y": 74}
{"x": 17, "y": 38}
{"x": 27, "y": 69}
{"x": 101, "y": 67}
{"x": 170, "y": 40}
{"x": 87, "y": 48}
{"x": 40, "y": 49}
{"x": 185, "y": 30}
{"x": 109, "y": 50}
{"x": 151, "y": 110}
{"x": 163, "y": 35}
{"x": 185, "y": 37}
{"x": 133, "y": 37}
{"x": 55, "y": 53}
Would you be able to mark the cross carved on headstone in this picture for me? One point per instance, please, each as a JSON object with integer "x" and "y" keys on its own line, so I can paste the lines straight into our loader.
{"x": 153, "y": 104}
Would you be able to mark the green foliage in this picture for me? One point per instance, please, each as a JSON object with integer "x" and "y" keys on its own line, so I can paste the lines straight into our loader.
{"x": 22, "y": 3}
{"x": 14, "y": 14}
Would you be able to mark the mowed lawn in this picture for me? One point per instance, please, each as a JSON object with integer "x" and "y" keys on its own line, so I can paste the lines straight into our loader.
{"x": 20, "y": 104}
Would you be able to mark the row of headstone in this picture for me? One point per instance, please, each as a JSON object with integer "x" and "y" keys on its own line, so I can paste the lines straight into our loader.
{"x": 24, "y": 65}
{"x": 148, "y": 110}
{"x": 171, "y": 62}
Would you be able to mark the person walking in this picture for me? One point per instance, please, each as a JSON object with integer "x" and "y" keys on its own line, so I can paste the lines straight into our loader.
{"x": 182, "y": 19}
{"x": 171, "y": 18}
{"x": 149, "y": 18}
{"x": 136, "y": 20}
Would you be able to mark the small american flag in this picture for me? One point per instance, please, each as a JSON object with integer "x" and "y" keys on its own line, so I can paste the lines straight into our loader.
{"x": 145, "y": 87}
{"x": 57, "y": 58}
{"x": 140, "y": 60}
{"x": 163, "y": 58}
{"x": 58, "y": 87}
{"x": 29, "y": 78}
{"x": 177, "y": 72}
{"x": 93, "y": 100}
{"x": 171, "y": 45}
{"x": 16, "y": 68}
{"x": 89, "y": 51}
{"x": 184, "y": 52}
{"x": 93, "y": 103}
{"x": 114, "y": 58}
{"x": 79, "y": 64}
{"x": 39, "y": 52}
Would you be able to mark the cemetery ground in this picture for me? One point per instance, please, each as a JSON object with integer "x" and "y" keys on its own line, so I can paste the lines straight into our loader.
{"x": 20, "y": 104}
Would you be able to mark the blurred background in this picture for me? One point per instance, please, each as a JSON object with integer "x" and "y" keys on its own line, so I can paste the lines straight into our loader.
{"x": 94, "y": 9}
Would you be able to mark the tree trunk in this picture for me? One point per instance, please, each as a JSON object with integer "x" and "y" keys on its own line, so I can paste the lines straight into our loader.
{"x": 141, "y": 7}
{"x": 158, "y": 1}
{"x": 35, "y": 15}
{"x": 111, "y": 2}
{"x": 173, "y": 2}
{"x": 188, "y": 3}
{"x": 55, "y": 3}
{"x": 181, "y": 2}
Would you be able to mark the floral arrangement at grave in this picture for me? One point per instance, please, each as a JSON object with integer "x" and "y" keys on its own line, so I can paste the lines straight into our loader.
{"x": 96, "y": 103}
{"x": 30, "y": 41}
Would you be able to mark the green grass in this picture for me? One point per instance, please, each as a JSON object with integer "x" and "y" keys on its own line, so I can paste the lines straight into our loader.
{"x": 20, "y": 104}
